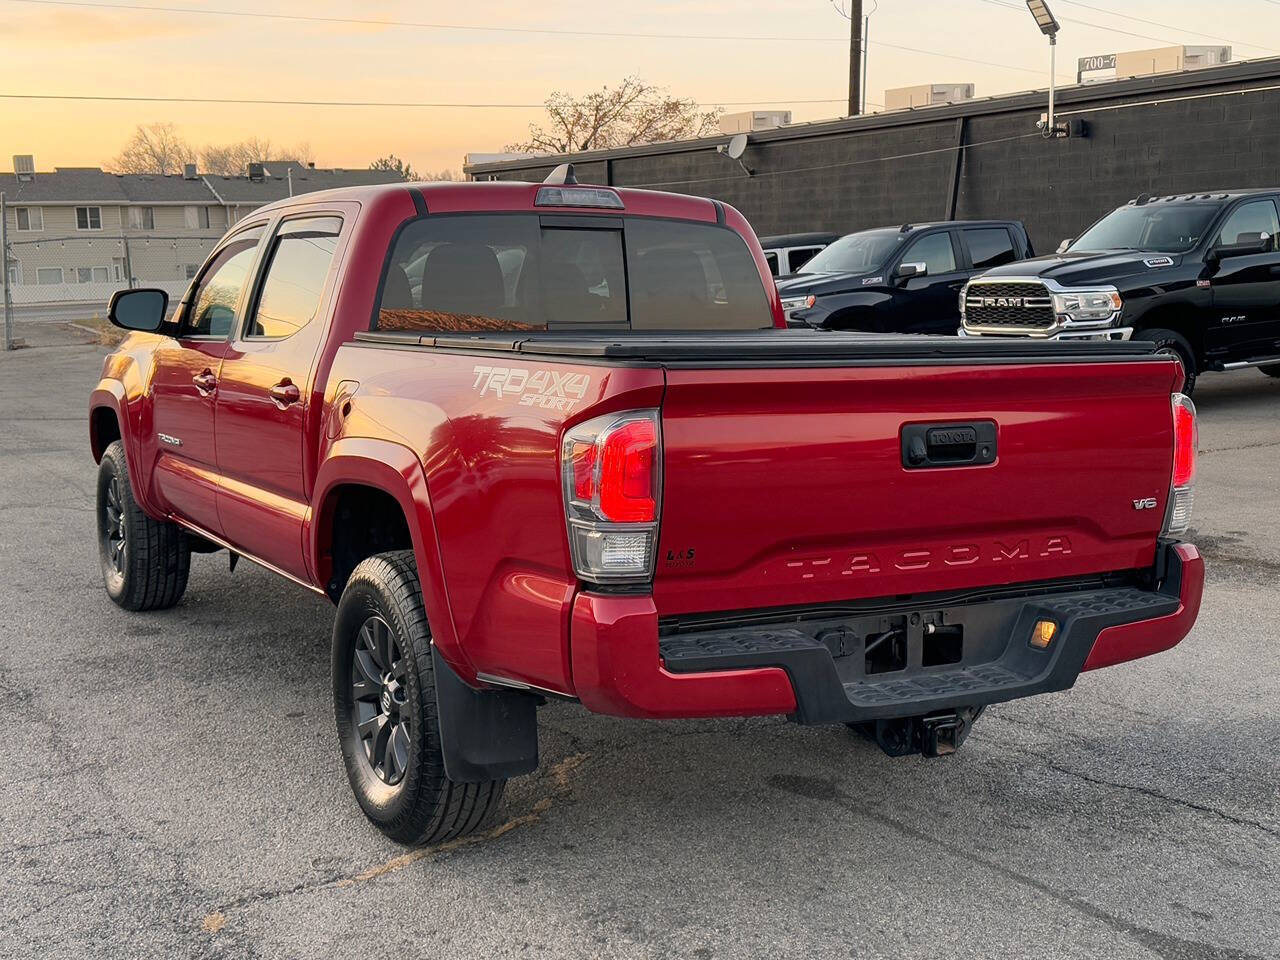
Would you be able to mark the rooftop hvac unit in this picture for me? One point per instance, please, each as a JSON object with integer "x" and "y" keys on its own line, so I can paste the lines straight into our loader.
{"x": 24, "y": 165}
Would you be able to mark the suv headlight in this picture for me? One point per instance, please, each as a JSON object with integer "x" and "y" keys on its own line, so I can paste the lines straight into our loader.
{"x": 1091, "y": 305}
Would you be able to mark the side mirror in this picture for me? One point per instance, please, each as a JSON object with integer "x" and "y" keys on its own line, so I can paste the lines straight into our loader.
{"x": 143, "y": 310}
{"x": 1065, "y": 244}
{"x": 1246, "y": 244}
{"x": 906, "y": 271}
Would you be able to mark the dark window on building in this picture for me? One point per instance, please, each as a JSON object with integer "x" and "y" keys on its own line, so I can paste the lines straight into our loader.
{"x": 297, "y": 268}
{"x": 989, "y": 246}
{"x": 88, "y": 218}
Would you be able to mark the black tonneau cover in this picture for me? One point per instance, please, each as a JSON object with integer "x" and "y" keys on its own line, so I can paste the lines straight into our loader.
{"x": 814, "y": 347}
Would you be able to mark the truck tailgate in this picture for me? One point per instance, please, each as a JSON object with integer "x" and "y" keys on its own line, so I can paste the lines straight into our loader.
{"x": 789, "y": 486}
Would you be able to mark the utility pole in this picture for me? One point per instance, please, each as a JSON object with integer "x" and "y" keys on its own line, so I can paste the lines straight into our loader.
{"x": 6, "y": 301}
{"x": 855, "y": 57}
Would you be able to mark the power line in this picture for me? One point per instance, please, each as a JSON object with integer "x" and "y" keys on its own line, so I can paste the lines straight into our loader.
{"x": 1171, "y": 26}
{"x": 843, "y": 163}
{"x": 362, "y": 103}
{"x": 421, "y": 24}
{"x": 1114, "y": 30}
{"x": 544, "y": 31}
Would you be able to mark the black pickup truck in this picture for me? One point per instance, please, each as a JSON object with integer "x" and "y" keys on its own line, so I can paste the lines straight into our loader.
{"x": 903, "y": 279}
{"x": 1196, "y": 273}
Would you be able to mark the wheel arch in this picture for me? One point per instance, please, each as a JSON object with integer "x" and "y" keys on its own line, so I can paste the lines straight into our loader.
{"x": 363, "y": 482}
{"x": 854, "y": 306}
{"x": 106, "y": 419}
{"x": 1182, "y": 320}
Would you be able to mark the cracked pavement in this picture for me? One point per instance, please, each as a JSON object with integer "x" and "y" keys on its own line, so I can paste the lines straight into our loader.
{"x": 172, "y": 785}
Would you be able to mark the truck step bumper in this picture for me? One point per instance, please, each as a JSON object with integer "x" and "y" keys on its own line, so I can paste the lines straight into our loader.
{"x": 898, "y": 662}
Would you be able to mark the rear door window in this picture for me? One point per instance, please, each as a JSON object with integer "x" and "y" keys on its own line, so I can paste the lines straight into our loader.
{"x": 513, "y": 272}
{"x": 989, "y": 246}
{"x": 297, "y": 267}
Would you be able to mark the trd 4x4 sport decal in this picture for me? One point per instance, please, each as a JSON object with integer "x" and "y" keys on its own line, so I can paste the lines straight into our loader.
{"x": 535, "y": 388}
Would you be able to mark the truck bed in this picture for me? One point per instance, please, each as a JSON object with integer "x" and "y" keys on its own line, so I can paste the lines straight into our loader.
{"x": 770, "y": 347}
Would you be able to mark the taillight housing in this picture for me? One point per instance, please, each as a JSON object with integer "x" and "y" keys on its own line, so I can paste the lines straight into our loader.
{"x": 1182, "y": 485}
{"x": 611, "y": 472}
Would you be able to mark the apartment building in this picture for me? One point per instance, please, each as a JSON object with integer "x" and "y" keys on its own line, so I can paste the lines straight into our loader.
{"x": 77, "y": 234}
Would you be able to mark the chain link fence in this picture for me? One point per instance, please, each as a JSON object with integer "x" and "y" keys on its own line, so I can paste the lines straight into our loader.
{"x": 53, "y": 277}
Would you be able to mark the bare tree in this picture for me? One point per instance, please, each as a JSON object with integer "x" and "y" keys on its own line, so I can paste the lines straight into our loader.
{"x": 632, "y": 112}
{"x": 231, "y": 159}
{"x": 153, "y": 148}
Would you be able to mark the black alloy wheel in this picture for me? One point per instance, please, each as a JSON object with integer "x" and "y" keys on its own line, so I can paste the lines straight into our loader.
{"x": 379, "y": 700}
{"x": 112, "y": 527}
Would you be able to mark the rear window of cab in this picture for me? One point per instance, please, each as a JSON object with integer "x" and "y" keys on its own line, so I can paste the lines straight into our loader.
{"x": 512, "y": 272}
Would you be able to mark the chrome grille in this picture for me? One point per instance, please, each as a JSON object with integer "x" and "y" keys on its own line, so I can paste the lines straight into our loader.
{"x": 1019, "y": 304}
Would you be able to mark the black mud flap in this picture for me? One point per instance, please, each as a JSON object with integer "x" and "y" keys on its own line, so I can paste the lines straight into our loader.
{"x": 484, "y": 734}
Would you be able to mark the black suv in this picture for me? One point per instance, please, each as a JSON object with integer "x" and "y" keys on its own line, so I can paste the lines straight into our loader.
{"x": 903, "y": 279}
{"x": 1196, "y": 273}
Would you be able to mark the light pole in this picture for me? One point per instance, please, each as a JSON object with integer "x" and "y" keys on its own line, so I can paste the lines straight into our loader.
{"x": 1049, "y": 27}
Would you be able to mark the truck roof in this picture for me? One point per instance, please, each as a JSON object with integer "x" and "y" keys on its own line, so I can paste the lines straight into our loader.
{"x": 517, "y": 196}
{"x": 1231, "y": 194}
{"x": 931, "y": 224}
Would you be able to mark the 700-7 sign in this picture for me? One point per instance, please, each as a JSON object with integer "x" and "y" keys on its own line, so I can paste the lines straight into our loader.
{"x": 1106, "y": 61}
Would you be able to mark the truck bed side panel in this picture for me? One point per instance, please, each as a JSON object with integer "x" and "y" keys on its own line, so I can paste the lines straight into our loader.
{"x": 488, "y": 430}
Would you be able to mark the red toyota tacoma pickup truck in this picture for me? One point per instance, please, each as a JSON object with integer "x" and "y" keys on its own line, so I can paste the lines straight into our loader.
{"x": 543, "y": 441}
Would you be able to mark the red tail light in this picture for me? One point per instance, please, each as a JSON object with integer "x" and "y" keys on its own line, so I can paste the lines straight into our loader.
{"x": 626, "y": 473}
{"x": 612, "y": 474}
{"x": 1182, "y": 485}
{"x": 1184, "y": 441}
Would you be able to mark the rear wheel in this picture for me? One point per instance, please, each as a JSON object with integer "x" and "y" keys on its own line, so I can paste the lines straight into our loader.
{"x": 145, "y": 562}
{"x": 1271, "y": 370}
{"x": 385, "y": 706}
{"x": 1173, "y": 344}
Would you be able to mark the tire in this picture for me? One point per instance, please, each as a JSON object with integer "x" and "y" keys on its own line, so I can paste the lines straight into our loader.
{"x": 1271, "y": 370}
{"x": 1171, "y": 342}
{"x": 145, "y": 562}
{"x": 382, "y": 668}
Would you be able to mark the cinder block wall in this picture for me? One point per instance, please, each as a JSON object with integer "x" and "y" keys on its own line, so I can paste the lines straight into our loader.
{"x": 1196, "y": 131}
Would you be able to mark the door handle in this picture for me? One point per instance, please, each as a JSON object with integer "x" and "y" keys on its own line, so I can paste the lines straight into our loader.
{"x": 285, "y": 393}
{"x": 205, "y": 382}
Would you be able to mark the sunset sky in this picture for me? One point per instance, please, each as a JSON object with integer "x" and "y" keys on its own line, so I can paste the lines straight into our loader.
{"x": 77, "y": 49}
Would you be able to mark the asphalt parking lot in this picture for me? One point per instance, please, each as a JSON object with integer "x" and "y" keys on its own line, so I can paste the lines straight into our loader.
{"x": 170, "y": 784}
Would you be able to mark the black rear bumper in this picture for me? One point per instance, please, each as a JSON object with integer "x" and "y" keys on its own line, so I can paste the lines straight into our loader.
{"x": 939, "y": 656}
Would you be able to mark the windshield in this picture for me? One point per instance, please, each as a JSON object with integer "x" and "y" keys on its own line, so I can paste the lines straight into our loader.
{"x": 856, "y": 253}
{"x": 1172, "y": 227}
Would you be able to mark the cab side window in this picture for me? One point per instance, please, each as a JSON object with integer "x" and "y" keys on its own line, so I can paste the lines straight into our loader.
{"x": 1247, "y": 221}
{"x": 935, "y": 252}
{"x": 296, "y": 270}
{"x": 216, "y": 298}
